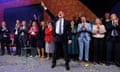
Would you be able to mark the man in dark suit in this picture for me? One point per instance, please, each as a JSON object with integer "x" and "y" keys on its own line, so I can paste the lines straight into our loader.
{"x": 62, "y": 35}
{"x": 5, "y": 41}
{"x": 16, "y": 37}
{"x": 23, "y": 37}
{"x": 113, "y": 40}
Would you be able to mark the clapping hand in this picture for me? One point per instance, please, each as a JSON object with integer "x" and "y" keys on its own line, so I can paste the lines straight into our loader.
{"x": 116, "y": 24}
{"x": 98, "y": 27}
{"x": 69, "y": 41}
{"x": 98, "y": 31}
{"x": 4, "y": 29}
{"x": 83, "y": 27}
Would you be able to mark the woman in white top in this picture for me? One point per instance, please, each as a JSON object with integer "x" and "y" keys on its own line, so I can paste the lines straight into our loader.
{"x": 98, "y": 33}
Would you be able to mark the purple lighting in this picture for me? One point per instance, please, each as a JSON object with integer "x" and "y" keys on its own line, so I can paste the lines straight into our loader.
{"x": 4, "y": 1}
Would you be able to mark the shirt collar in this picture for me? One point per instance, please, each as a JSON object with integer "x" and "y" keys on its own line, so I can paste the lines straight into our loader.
{"x": 61, "y": 19}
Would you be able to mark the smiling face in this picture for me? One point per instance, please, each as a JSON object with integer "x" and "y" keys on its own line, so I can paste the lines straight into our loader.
{"x": 83, "y": 19}
{"x": 42, "y": 23}
{"x": 23, "y": 23}
{"x": 107, "y": 15}
{"x": 49, "y": 25}
{"x": 113, "y": 16}
{"x": 60, "y": 14}
{"x": 17, "y": 21}
{"x": 98, "y": 21}
{"x": 3, "y": 23}
{"x": 33, "y": 23}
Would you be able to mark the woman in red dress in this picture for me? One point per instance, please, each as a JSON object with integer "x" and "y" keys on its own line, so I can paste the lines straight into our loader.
{"x": 49, "y": 40}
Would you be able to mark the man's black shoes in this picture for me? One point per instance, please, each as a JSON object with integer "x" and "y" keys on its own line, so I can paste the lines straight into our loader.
{"x": 53, "y": 66}
{"x": 67, "y": 68}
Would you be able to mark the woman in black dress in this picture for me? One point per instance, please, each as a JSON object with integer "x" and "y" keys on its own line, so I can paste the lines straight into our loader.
{"x": 40, "y": 40}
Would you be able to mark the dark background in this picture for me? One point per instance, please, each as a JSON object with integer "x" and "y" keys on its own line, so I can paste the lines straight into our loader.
{"x": 99, "y": 7}
{"x": 22, "y": 13}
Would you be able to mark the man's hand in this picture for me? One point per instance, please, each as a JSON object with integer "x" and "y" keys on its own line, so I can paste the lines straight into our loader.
{"x": 69, "y": 41}
{"x": 43, "y": 5}
{"x": 83, "y": 27}
{"x": 116, "y": 24}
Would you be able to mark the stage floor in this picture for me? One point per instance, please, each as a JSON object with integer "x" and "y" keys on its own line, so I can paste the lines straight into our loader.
{"x": 23, "y": 64}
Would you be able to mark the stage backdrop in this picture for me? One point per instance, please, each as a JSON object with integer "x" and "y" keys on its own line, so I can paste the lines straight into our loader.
{"x": 116, "y": 9}
{"x": 22, "y": 13}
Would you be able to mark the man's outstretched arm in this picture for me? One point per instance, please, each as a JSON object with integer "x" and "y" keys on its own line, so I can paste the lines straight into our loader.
{"x": 48, "y": 11}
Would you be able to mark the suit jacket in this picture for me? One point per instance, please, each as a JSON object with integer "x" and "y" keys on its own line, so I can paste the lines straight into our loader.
{"x": 84, "y": 34}
{"x": 25, "y": 33}
{"x": 67, "y": 30}
{"x": 0, "y": 34}
{"x": 3, "y": 33}
{"x": 16, "y": 36}
{"x": 110, "y": 27}
{"x": 48, "y": 35}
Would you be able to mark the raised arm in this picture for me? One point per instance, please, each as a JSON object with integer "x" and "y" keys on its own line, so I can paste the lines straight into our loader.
{"x": 48, "y": 11}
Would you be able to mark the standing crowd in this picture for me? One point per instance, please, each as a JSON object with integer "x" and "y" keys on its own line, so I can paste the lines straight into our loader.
{"x": 78, "y": 39}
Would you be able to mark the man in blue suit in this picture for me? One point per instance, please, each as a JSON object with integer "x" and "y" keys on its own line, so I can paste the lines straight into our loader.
{"x": 84, "y": 30}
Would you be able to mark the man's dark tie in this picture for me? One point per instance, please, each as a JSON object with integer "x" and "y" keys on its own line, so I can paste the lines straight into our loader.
{"x": 60, "y": 23}
{"x": 114, "y": 33}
